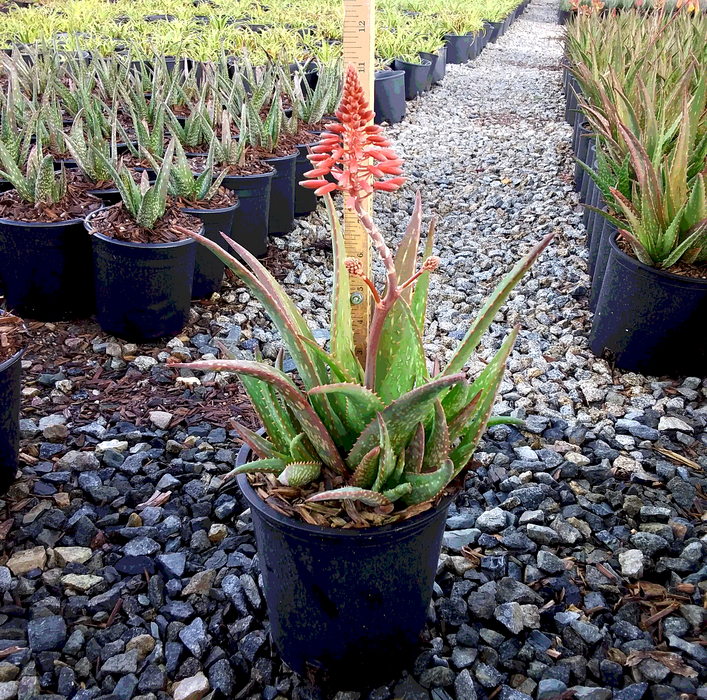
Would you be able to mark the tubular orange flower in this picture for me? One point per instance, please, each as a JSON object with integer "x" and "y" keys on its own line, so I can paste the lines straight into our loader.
{"x": 353, "y": 151}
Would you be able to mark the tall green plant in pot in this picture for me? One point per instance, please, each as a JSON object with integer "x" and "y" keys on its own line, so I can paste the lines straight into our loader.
{"x": 143, "y": 269}
{"x": 359, "y": 463}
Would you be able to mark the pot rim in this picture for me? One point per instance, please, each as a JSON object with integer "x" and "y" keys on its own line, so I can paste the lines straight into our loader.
{"x": 669, "y": 276}
{"x": 388, "y": 74}
{"x": 11, "y": 360}
{"x": 145, "y": 246}
{"x": 219, "y": 210}
{"x": 424, "y": 63}
{"x": 280, "y": 158}
{"x": 362, "y": 536}
{"x": 254, "y": 176}
{"x": 48, "y": 224}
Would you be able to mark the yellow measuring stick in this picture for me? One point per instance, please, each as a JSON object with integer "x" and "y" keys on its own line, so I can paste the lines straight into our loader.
{"x": 359, "y": 41}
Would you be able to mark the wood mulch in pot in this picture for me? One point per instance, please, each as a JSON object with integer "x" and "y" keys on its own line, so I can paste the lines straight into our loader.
{"x": 681, "y": 269}
{"x": 76, "y": 204}
{"x": 253, "y": 165}
{"x": 222, "y": 199}
{"x": 116, "y": 222}
{"x": 13, "y": 335}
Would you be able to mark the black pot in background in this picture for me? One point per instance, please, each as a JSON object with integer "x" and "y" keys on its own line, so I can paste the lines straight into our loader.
{"x": 250, "y": 220}
{"x": 583, "y": 139}
{"x": 349, "y": 604}
{"x": 438, "y": 66}
{"x": 389, "y": 96}
{"x": 416, "y": 76}
{"x": 587, "y": 182}
{"x": 281, "y": 217}
{"x": 594, "y": 225}
{"x": 305, "y": 199}
{"x": 650, "y": 321}
{"x": 496, "y": 31}
{"x": 47, "y": 269}
{"x": 10, "y": 373}
{"x": 564, "y": 16}
{"x": 208, "y": 269}
{"x": 108, "y": 197}
{"x": 605, "y": 234}
{"x": 143, "y": 290}
{"x": 458, "y": 47}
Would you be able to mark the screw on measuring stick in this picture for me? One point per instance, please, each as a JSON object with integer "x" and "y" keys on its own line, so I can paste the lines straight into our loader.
{"x": 359, "y": 37}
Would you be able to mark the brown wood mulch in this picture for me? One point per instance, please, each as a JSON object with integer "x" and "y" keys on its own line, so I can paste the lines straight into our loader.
{"x": 13, "y": 335}
{"x": 75, "y": 205}
{"x": 116, "y": 222}
{"x": 254, "y": 165}
{"x": 222, "y": 199}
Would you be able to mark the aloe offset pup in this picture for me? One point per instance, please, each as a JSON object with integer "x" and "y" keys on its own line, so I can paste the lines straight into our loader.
{"x": 388, "y": 431}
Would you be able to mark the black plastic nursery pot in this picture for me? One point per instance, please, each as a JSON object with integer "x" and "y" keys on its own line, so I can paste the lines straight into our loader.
{"x": 10, "y": 372}
{"x": 606, "y": 233}
{"x": 208, "y": 269}
{"x": 458, "y": 46}
{"x": 564, "y": 16}
{"x": 349, "y": 604}
{"x": 648, "y": 320}
{"x": 438, "y": 66}
{"x": 47, "y": 269}
{"x": 281, "y": 217}
{"x": 250, "y": 220}
{"x": 416, "y": 76}
{"x": 496, "y": 31}
{"x": 389, "y": 96}
{"x": 305, "y": 199}
{"x": 143, "y": 290}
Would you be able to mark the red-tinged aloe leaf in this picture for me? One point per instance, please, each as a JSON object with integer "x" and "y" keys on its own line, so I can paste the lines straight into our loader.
{"x": 457, "y": 426}
{"x": 386, "y": 461}
{"x": 402, "y": 416}
{"x": 406, "y": 255}
{"x": 491, "y": 308}
{"x": 426, "y": 486}
{"x": 395, "y": 477}
{"x": 353, "y": 493}
{"x": 437, "y": 444}
{"x": 486, "y": 385}
{"x": 262, "y": 447}
{"x": 415, "y": 451}
{"x": 342, "y": 343}
{"x": 338, "y": 371}
{"x": 299, "y": 473}
{"x": 365, "y": 474}
{"x": 697, "y": 239}
{"x": 419, "y": 297}
{"x": 309, "y": 421}
{"x": 399, "y": 491}
{"x": 301, "y": 450}
{"x": 406, "y": 362}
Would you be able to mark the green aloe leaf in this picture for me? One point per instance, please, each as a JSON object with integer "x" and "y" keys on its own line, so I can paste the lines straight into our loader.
{"x": 365, "y": 474}
{"x": 402, "y": 416}
{"x": 426, "y": 486}
{"x": 262, "y": 447}
{"x": 415, "y": 451}
{"x": 299, "y": 473}
{"x": 419, "y": 297}
{"x": 437, "y": 444}
{"x": 310, "y": 422}
{"x": 353, "y": 493}
{"x": 268, "y": 466}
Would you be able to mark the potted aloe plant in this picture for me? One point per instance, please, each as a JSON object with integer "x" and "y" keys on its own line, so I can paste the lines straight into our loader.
{"x": 46, "y": 255}
{"x": 359, "y": 463}
{"x": 143, "y": 269}
{"x": 205, "y": 198}
{"x": 12, "y": 347}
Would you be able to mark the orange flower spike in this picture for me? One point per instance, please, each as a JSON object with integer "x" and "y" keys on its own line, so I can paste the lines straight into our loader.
{"x": 345, "y": 150}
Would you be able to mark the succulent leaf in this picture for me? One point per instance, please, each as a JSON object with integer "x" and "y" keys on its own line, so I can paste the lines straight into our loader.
{"x": 426, "y": 486}
{"x": 299, "y": 473}
{"x": 353, "y": 493}
{"x": 365, "y": 474}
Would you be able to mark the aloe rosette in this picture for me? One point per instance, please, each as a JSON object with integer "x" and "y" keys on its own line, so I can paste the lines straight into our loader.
{"x": 389, "y": 431}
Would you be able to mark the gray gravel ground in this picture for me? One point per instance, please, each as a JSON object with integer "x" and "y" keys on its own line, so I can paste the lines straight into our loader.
{"x": 574, "y": 562}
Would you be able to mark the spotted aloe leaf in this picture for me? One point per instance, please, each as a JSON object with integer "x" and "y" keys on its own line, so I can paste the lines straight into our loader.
{"x": 300, "y": 449}
{"x": 267, "y": 466}
{"x": 299, "y": 473}
{"x": 361, "y": 403}
{"x": 415, "y": 451}
{"x": 400, "y": 354}
{"x": 399, "y": 491}
{"x": 353, "y": 493}
{"x": 402, "y": 416}
{"x": 491, "y": 308}
{"x": 310, "y": 422}
{"x": 261, "y": 446}
{"x": 486, "y": 385}
{"x": 419, "y": 297}
{"x": 426, "y": 486}
{"x": 386, "y": 462}
{"x": 437, "y": 444}
{"x": 365, "y": 473}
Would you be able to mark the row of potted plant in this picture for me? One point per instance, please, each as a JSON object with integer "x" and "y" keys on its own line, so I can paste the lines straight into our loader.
{"x": 571, "y": 8}
{"x": 413, "y": 71}
{"x": 637, "y": 96}
{"x": 201, "y": 30}
{"x": 95, "y": 121}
